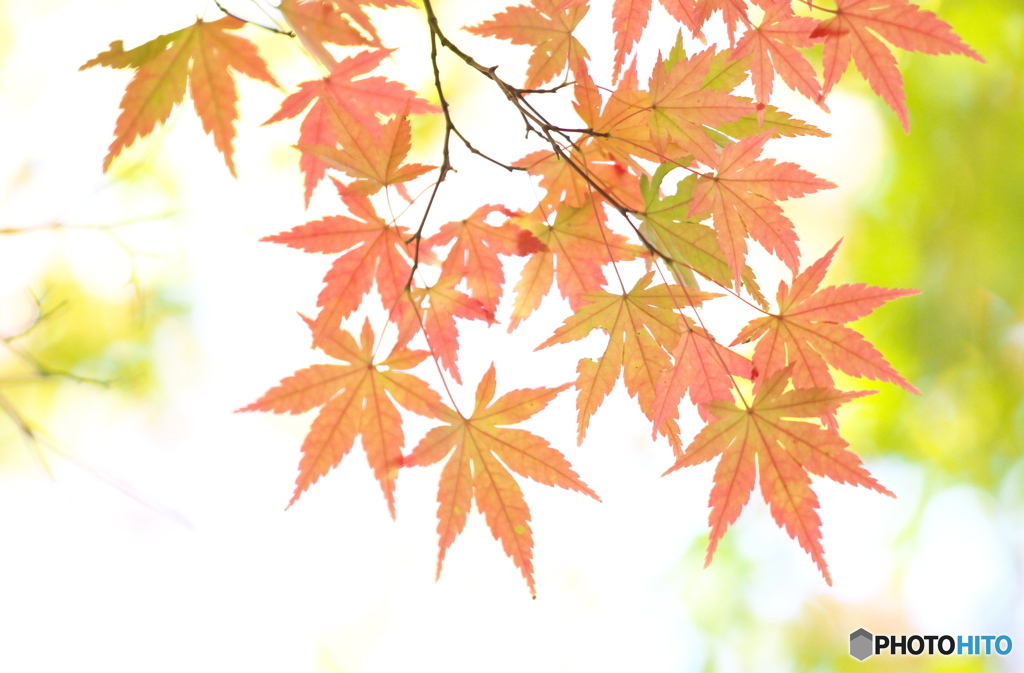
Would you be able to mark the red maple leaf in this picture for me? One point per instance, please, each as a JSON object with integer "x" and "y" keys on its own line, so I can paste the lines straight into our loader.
{"x": 474, "y": 255}
{"x": 620, "y": 124}
{"x": 701, "y": 367}
{"x": 363, "y": 99}
{"x": 438, "y": 307}
{"x": 629, "y": 18}
{"x": 684, "y": 244}
{"x": 558, "y": 178}
{"x": 372, "y": 154}
{"x": 853, "y": 29}
{"x": 761, "y": 438}
{"x": 357, "y": 402}
{"x": 482, "y": 453}
{"x": 734, "y": 13}
{"x": 371, "y": 250}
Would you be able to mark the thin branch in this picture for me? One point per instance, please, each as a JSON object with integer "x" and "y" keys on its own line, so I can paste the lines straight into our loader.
{"x": 535, "y": 122}
{"x": 549, "y": 90}
{"x": 446, "y": 165}
{"x": 272, "y": 29}
{"x": 57, "y": 225}
{"x": 474, "y": 150}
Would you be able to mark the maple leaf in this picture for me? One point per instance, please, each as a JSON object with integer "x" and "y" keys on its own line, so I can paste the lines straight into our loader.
{"x": 562, "y": 177}
{"x": 741, "y": 196}
{"x": 474, "y": 254}
{"x": 619, "y": 124}
{"x": 560, "y": 181}
{"x": 734, "y": 13}
{"x": 373, "y": 154}
{"x": 725, "y": 73}
{"x": 682, "y": 104}
{"x": 771, "y": 119}
{"x": 574, "y": 250}
{"x": 684, "y": 244}
{"x": 547, "y": 26}
{"x": 808, "y": 334}
{"x": 317, "y": 23}
{"x": 629, "y": 18}
{"x": 763, "y": 439}
{"x": 199, "y": 56}
{"x": 371, "y": 250}
{"x": 357, "y": 402}
{"x": 439, "y": 305}
{"x": 686, "y": 12}
{"x": 363, "y": 99}
{"x": 701, "y": 367}
{"x": 853, "y": 29}
{"x": 641, "y": 326}
{"x": 482, "y": 453}
{"x": 773, "y": 46}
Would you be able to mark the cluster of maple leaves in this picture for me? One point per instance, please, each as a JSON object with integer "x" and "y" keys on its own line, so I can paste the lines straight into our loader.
{"x": 673, "y": 156}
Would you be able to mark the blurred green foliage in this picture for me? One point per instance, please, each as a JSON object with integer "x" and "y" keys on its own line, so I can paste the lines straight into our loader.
{"x": 78, "y": 338}
{"x": 948, "y": 220}
{"x": 97, "y": 337}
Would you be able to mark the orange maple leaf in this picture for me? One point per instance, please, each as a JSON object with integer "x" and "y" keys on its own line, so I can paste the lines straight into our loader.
{"x": 741, "y": 196}
{"x": 363, "y": 99}
{"x": 546, "y": 26}
{"x": 482, "y": 453}
{"x": 683, "y": 103}
{"x": 774, "y": 44}
{"x": 683, "y": 243}
{"x": 807, "y": 334}
{"x": 574, "y": 250}
{"x": 372, "y": 250}
{"x": 734, "y": 13}
{"x": 372, "y": 154}
{"x": 629, "y": 18}
{"x": 642, "y": 326}
{"x": 785, "y": 452}
{"x": 620, "y": 124}
{"x": 438, "y": 307}
{"x": 560, "y": 181}
{"x": 701, "y": 367}
{"x": 200, "y": 56}
{"x": 852, "y": 32}
{"x": 320, "y": 22}
{"x": 357, "y": 402}
{"x": 473, "y": 256}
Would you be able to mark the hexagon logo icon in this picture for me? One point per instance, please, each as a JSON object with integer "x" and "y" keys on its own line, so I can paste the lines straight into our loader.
{"x": 861, "y": 644}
